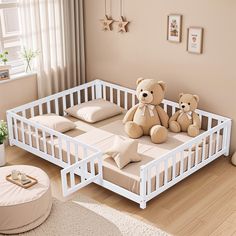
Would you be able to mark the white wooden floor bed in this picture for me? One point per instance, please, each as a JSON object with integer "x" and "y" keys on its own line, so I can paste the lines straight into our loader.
{"x": 79, "y": 152}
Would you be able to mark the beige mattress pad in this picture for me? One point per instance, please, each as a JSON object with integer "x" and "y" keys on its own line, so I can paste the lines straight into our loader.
{"x": 102, "y": 134}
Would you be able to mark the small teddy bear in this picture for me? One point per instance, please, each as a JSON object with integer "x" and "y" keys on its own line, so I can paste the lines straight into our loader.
{"x": 147, "y": 117}
{"x": 186, "y": 119}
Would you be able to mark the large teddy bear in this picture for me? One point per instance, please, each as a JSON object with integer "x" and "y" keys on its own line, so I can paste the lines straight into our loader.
{"x": 147, "y": 117}
{"x": 186, "y": 119}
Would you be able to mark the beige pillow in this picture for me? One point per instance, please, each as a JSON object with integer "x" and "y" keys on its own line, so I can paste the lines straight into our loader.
{"x": 55, "y": 122}
{"x": 124, "y": 151}
{"x": 93, "y": 111}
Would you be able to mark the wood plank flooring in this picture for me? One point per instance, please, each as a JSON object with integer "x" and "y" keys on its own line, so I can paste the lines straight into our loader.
{"x": 202, "y": 204}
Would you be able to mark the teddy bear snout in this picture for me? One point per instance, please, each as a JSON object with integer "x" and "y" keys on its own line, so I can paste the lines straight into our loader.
{"x": 144, "y": 94}
{"x": 145, "y": 97}
{"x": 185, "y": 107}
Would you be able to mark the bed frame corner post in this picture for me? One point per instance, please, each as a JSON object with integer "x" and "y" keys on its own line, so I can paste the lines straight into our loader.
{"x": 9, "y": 125}
{"x": 142, "y": 203}
{"x": 229, "y": 124}
{"x": 98, "y": 85}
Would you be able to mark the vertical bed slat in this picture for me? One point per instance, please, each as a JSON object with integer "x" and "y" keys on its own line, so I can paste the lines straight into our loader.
{"x": 217, "y": 138}
{"x": 104, "y": 92}
{"x": 126, "y": 101}
{"x": 93, "y": 93}
{"x": 111, "y": 94}
{"x": 72, "y": 179}
{"x": 118, "y": 97}
{"x": 52, "y": 145}
{"x": 76, "y": 152}
{"x": 204, "y": 150}
{"x": 189, "y": 158}
{"x": 149, "y": 180}
{"x": 37, "y": 137}
{"x": 86, "y": 94}
{"x": 40, "y": 109}
{"x": 79, "y": 97}
{"x": 56, "y": 106}
{"x": 165, "y": 107}
{"x": 166, "y": 171}
{"x": 44, "y": 142}
{"x": 209, "y": 123}
{"x": 60, "y": 148}
{"x": 92, "y": 169}
{"x": 173, "y": 110}
{"x": 196, "y": 154}
{"x": 210, "y": 148}
{"x": 181, "y": 163}
{"x": 157, "y": 176}
{"x": 68, "y": 152}
{"x": 22, "y": 132}
{"x": 15, "y": 128}
{"x": 48, "y": 107}
{"x": 174, "y": 167}
{"x": 64, "y": 104}
{"x": 30, "y": 135}
{"x": 71, "y": 100}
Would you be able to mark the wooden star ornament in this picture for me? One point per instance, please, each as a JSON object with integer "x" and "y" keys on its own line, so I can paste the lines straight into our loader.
{"x": 106, "y": 23}
{"x": 122, "y": 25}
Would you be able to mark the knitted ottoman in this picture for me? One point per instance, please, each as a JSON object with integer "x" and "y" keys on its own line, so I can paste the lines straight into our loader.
{"x": 23, "y": 209}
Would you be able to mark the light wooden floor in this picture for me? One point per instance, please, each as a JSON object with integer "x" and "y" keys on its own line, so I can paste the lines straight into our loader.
{"x": 203, "y": 204}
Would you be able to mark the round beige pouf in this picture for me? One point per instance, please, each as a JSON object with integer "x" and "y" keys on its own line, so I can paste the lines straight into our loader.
{"x": 23, "y": 209}
{"x": 233, "y": 159}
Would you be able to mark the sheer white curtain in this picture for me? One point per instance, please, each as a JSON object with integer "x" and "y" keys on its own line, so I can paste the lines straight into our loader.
{"x": 55, "y": 28}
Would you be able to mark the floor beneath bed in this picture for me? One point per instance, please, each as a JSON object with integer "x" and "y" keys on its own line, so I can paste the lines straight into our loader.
{"x": 202, "y": 204}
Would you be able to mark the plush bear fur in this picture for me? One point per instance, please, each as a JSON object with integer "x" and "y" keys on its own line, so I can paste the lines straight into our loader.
{"x": 186, "y": 119}
{"x": 147, "y": 117}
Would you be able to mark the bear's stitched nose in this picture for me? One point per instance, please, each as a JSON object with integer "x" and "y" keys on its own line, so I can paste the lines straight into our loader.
{"x": 183, "y": 106}
{"x": 144, "y": 94}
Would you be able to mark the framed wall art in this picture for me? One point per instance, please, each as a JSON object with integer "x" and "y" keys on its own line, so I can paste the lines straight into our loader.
{"x": 174, "y": 28}
{"x": 195, "y": 40}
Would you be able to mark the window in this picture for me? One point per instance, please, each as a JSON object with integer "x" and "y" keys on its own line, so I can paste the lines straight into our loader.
{"x": 10, "y": 36}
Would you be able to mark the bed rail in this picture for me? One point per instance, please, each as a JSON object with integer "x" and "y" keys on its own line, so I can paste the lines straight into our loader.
{"x": 159, "y": 175}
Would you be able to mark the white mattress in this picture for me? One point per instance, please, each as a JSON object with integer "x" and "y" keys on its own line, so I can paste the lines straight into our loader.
{"x": 101, "y": 135}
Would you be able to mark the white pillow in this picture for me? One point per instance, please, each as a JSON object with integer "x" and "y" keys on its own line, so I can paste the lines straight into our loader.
{"x": 95, "y": 110}
{"x": 124, "y": 151}
{"x": 55, "y": 122}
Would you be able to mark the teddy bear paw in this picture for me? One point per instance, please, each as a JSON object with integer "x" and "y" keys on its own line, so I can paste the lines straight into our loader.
{"x": 175, "y": 126}
{"x": 158, "y": 134}
{"x": 193, "y": 131}
{"x": 133, "y": 130}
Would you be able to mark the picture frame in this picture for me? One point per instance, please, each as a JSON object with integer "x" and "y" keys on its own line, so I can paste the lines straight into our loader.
{"x": 195, "y": 40}
{"x": 4, "y": 73}
{"x": 174, "y": 28}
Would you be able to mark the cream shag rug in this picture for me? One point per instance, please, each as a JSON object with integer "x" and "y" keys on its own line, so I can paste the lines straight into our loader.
{"x": 86, "y": 217}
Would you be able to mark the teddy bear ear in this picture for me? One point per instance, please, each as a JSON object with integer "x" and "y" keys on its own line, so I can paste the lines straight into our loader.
{"x": 196, "y": 98}
{"x": 180, "y": 95}
{"x": 139, "y": 80}
{"x": 162, "y": 84}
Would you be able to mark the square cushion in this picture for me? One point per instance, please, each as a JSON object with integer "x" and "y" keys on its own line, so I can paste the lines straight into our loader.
{"x": 124, "y": 151}
{"x": 94, "y": 111}
{"x": 55, "y": 122}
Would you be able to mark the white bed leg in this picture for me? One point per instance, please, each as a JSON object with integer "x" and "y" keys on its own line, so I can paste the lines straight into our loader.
{"x": 143, "y": 205}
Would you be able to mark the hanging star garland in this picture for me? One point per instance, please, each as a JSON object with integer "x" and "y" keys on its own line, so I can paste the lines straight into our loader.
{"x": 122, "y": 25}
{"x": 106, "y": 23}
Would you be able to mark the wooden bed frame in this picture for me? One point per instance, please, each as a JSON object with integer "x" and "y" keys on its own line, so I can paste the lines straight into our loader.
{"x": 84, "y": 167}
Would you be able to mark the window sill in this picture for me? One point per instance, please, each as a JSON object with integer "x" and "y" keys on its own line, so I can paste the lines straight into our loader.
{"x": 18, "y": 77}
